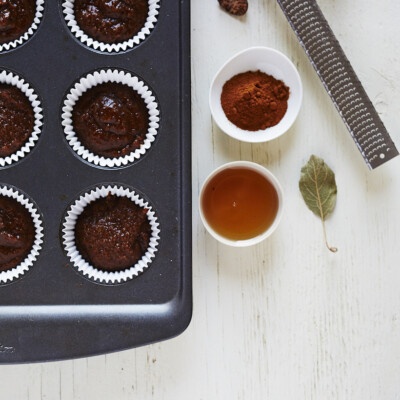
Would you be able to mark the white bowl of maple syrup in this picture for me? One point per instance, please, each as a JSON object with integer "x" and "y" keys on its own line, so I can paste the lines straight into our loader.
{"x": 241, "y": 203}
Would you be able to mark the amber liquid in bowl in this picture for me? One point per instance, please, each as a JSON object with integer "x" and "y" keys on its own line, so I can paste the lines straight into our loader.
{"x": 239, "y": 203}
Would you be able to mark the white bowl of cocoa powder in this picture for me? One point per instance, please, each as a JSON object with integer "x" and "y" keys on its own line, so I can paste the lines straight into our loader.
{"x": 256, "y": 95}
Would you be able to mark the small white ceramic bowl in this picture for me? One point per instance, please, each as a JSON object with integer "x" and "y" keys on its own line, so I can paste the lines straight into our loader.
{"x": 271, "y": 62}
{"x": 270, "y": 177}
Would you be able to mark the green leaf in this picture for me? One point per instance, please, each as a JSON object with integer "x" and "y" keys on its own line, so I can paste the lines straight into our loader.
{"x": 318, "y": 188}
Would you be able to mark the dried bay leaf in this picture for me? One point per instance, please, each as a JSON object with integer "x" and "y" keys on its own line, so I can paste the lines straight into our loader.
{"x": 318, "y": 188}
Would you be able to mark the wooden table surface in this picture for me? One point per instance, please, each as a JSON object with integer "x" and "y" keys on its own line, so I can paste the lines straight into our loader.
{"x": 285, "y": 319}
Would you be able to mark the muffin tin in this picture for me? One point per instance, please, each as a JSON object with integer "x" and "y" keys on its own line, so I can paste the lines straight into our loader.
{"x": 52, "y": 311}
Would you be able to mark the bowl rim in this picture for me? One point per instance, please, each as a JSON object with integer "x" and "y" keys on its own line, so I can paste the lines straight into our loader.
{"x": 271, "y": 178}
{"x": 265, "y": 137}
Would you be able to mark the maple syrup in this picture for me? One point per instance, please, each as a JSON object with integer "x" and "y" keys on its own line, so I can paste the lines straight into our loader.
{"x": 239, "y": 203}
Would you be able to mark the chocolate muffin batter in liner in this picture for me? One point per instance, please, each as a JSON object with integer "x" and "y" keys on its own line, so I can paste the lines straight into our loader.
{"x": 69, "y": 235}
{"x": 11, "y": 19}
{"x": 8, "y": 78}
{"x": 91, "y": 81}
{"x": 18, "y": 271}
{"x": 113, "y": 21}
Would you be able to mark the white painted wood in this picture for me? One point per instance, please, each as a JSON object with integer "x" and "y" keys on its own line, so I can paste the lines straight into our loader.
{"x": 285, "y": 319}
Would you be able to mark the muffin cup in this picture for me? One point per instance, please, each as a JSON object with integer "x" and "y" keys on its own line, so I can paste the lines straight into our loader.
{"x": 35, "y": 24}
{"x": 16, "y": 272}
{"x": 68, "y": 9}
{"x": 9, "y": 78}
{"x": 98, "y": 78}
{"x": 68, "y": 229}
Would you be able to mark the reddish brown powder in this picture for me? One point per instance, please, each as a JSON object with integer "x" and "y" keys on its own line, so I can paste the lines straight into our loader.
{"x": 254, "y": 100}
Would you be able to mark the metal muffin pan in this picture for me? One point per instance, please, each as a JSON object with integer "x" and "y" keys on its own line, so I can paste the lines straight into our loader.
{"x": 53, "y": 312}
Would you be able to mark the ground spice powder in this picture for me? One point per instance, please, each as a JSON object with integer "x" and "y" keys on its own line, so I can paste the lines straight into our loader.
{"x": 254, "y": 100}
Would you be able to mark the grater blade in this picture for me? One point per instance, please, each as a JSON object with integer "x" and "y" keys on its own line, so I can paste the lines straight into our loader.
{"x": 340, "y": 80}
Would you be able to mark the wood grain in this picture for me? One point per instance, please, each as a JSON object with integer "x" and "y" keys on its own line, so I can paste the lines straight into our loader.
{"x": 285, "y": 319}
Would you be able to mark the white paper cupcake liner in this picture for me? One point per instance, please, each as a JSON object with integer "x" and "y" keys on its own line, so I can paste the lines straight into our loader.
{"x": 9, "y": 78}
{"x": 69, "y": 235}
{"x": 68, "y": 8}
{"x": 21, "y": 269}
{"x": 35, "y": 24}
{"x": 97, "y": 78}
